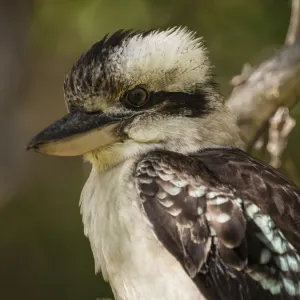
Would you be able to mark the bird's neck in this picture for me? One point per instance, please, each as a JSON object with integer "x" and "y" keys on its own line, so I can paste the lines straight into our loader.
{"x": 185, "y": 136}
{"x": 104, "y": 160}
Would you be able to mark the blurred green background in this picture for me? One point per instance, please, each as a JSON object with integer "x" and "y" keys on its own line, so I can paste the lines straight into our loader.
{"x": 43, "y": 252}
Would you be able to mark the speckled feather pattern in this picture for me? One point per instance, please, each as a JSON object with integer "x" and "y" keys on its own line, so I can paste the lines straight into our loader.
{"x": 206, "y": 207}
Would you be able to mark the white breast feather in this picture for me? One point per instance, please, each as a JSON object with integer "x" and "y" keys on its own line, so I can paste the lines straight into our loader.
{"x": 124, "y": 246}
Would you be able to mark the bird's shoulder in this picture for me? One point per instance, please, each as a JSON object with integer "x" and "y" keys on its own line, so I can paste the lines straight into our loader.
{"x": 232, "y": 221}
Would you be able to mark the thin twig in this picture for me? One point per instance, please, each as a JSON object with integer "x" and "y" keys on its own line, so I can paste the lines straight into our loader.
{"x": 281, "y": 125}
{"x": 294, "y": 27}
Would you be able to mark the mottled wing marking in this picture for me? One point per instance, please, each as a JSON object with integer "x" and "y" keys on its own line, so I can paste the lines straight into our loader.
{"x": 192, "y": 212}
{"x": 200, "y": 219}
{"x": 279, "y": 262}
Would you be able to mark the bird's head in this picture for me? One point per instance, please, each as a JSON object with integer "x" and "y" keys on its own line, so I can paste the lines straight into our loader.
{"x": 134, "y": 92}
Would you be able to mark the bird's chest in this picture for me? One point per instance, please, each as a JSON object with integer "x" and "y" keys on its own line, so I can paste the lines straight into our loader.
{"x": 107, "y": 208}
{"x": 124, "y": 246}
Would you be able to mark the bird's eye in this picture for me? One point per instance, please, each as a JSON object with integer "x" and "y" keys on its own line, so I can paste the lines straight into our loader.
{"x": 137, "y": 97}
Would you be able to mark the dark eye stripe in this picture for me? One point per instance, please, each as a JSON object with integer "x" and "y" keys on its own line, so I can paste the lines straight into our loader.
{"x": 191, "y": 105}
{"x": 176, "y": 103}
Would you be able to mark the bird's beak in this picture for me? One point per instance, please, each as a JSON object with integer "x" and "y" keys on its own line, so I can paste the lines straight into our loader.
{"x": 76, "y": 133}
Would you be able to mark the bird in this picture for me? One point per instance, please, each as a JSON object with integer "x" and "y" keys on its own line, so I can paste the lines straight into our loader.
{"x": 174, "y": 208}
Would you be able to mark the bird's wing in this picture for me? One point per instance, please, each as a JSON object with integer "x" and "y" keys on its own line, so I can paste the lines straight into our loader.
{"x": 232, "y": 221}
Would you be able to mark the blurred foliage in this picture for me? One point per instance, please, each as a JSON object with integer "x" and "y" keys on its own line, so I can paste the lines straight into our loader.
{"x": 234, "y": 30}
{"x": 43, "y": 253}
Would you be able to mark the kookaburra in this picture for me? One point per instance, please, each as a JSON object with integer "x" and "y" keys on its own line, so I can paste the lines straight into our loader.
{"x": 173, "y": 208}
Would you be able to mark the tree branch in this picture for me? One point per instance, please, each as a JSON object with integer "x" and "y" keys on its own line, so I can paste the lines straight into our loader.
{"x": 263, "y": 95}
{"x": 273, "y": 83}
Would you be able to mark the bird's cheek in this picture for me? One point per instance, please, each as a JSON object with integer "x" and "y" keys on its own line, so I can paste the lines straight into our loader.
{"x": 145, "y": 135}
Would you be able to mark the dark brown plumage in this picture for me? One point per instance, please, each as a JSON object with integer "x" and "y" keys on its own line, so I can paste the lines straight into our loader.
{"x": 230, "y": 220}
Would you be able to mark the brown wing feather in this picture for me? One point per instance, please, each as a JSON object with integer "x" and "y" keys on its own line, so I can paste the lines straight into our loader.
{"x": 272, "y": 192}
{"x": 229, "y": 220}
